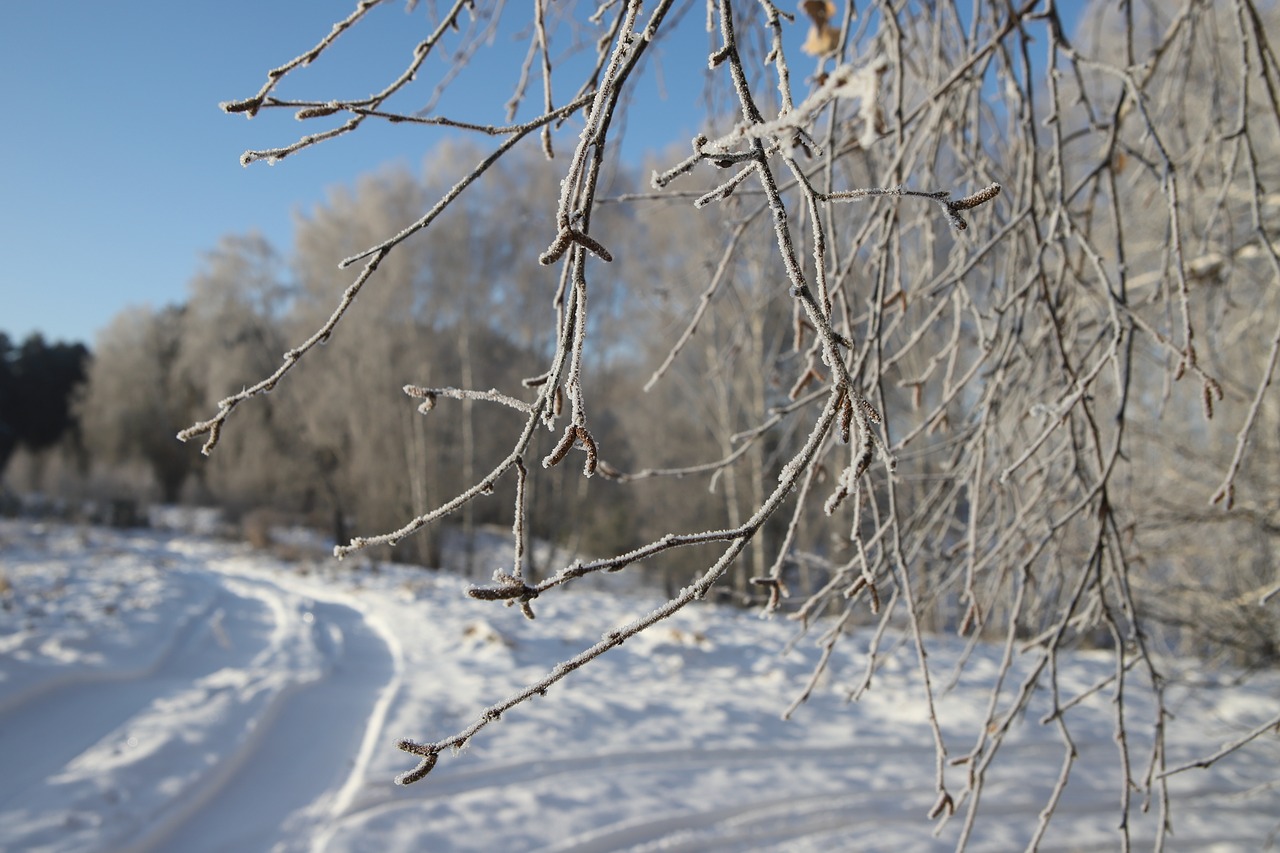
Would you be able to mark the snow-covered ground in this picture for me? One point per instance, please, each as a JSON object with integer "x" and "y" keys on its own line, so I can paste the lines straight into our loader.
{"x": 167, "y": 692}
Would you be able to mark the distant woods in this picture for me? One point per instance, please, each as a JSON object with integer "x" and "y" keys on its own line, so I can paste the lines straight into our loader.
{"x": 37, "y": 383}
{"x": 455, "y": 303}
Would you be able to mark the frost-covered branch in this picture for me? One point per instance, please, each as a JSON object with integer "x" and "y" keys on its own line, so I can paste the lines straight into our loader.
{"x": 969, "y": 411}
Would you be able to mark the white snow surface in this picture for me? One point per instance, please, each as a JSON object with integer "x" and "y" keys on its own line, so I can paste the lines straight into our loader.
{"x": 160, "y": 691}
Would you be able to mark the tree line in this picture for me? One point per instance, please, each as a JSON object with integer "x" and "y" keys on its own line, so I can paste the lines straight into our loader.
{"x": 457, "y": 306}
{"x": 37, "y": 383}
{"x": 454, "y": 304}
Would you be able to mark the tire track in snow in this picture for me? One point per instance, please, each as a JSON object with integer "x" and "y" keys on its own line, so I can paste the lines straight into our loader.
{"x": 32, "y": 685}
{"x": 672, "y": 770}
{"x": 758, "y": 822}
{"x": 747, "y": 820}
{"x": 305, "y": 755}
{"x": 837, "y": 819}
{"x": 49, "y": 726}
{"x": 256, "y": 709}
{"x": 783, "y": 816}
{"x": 445, "y": 785}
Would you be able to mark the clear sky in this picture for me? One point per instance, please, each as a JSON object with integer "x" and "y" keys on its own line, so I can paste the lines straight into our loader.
{"x": 120, "y": 170}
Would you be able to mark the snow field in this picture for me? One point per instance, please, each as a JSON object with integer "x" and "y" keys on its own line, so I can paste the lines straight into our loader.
{"x": 165, "y": 692}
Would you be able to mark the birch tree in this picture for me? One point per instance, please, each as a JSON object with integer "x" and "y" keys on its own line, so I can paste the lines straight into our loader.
{"x": 988, "y": 230}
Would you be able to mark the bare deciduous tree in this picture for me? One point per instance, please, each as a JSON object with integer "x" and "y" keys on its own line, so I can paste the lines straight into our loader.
{"x": 1023, "y": 266}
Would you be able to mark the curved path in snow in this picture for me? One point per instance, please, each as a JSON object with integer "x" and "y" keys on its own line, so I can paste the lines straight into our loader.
{"x": 241, "y": 727}
{"x": 175, "y": 694}
{"x": 315, "y": 734}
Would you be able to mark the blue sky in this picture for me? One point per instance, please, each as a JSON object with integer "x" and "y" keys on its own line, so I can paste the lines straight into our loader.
{"x": 120, "y": 170}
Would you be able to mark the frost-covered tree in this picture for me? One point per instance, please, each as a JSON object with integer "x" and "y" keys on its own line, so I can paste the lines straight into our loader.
{"x": 134, "y": 392}
{"x": 1027, "y": 273}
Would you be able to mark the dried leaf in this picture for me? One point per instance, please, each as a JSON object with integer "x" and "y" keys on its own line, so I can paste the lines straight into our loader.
{"x": 819, "y": 11}
{"x": 823, "y": 40}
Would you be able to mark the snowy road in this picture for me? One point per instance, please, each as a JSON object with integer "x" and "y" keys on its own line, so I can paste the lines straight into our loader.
{"x": 170, "y": 693}
{"x": 238, "y": 728}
